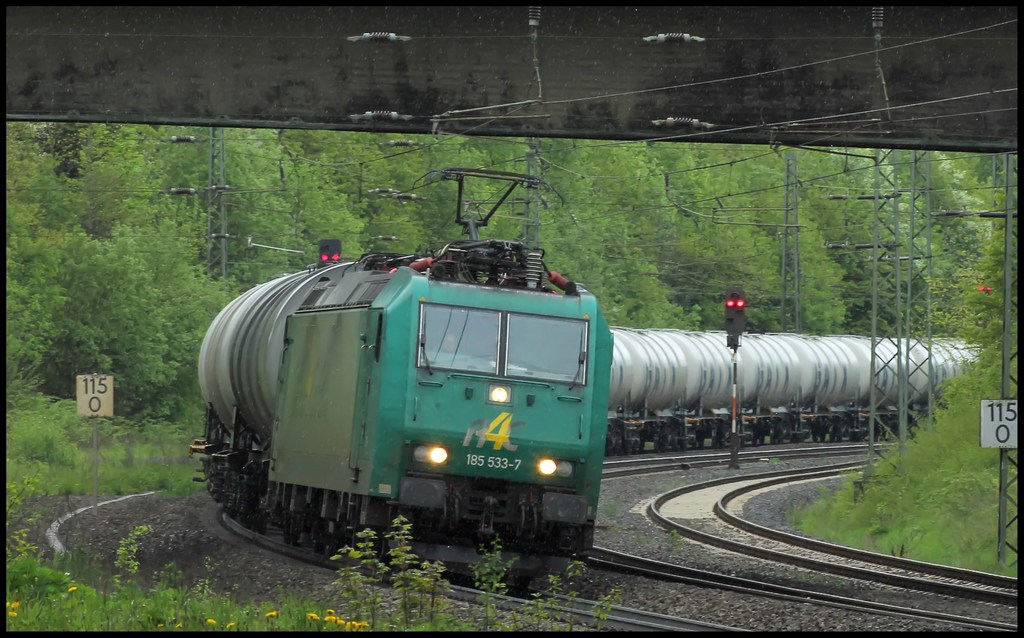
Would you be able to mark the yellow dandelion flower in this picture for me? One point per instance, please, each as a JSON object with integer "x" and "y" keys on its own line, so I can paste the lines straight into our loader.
{"x": 330, "y": 612}
{"x": 8, "y": 604}
{"x": 179, "y": 626}
{"x": 16, "y": 604}
{"x": 330, "y": 619}
{"x": 350, "y": 626}
{"x": 12, "y": 614}
{"x": 211, "y": 622}
{"x": 230, "y": 625}
{"x": 312, "y": 616}
{"x": 72, "y": 589}
{"x": 271, "y": 614}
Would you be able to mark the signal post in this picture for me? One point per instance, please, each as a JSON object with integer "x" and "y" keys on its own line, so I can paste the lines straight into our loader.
{"x": 735, "y": 324}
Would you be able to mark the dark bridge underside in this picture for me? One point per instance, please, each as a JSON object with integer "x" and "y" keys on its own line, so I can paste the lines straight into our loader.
{"x": 938, "y": 78}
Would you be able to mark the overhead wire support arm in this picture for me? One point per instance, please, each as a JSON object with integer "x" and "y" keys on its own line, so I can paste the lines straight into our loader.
{"x": 252, "y": 244}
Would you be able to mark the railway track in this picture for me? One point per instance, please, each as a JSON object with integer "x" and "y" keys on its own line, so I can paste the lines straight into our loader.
{"x": 583, "y": 612}
{"x": 624, "y": 466}
{"x": 891, "y": 571}
{"x": 623, "y": 618}
{"x": 971, "y": 583}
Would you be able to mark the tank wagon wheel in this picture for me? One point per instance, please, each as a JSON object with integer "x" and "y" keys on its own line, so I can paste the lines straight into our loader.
{"x": 680, "y": 441}
{"x": 778, "y": 431}
{"x": 665, "y": 441}
{"x": 635, "y": 444}
{"x": 613, "y": 444}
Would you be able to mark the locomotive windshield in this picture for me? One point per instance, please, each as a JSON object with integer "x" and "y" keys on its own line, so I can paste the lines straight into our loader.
{"x": 552, "y": 349}
{"x": 503, "y": 343}
{"x": 459, "y": 339}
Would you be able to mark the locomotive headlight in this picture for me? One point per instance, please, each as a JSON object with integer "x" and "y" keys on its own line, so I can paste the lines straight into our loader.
{"x": 548, "y": 467}
{"x": 430, "y": 454}
{"x": 499, "y": 394}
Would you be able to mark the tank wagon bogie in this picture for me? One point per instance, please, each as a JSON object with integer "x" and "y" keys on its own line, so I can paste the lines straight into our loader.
{"x": 672, "y": 389}
{"x": 459, "y": 391}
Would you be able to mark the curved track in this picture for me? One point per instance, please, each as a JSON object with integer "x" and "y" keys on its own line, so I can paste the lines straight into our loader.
{"x": 898, "y": 573}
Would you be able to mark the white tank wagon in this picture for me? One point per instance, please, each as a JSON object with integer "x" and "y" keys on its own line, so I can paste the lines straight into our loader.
{"x": 673, "y": 388}
{"x": 251, "y": 330}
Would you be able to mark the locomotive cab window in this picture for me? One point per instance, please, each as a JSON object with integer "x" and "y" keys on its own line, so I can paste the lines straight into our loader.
{"x": 454, "y": 338}
{"x": 503, "y": 343}
{"x": 547, "y": 348}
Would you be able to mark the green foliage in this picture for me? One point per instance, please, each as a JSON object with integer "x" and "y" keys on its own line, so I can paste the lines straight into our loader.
{"x": 46, "y": 438}
{"x": 127, "y": 550}
{"x": 676, "y": 540}
{"x": 420, "y": 587}
{"x": 545, "y": 604}
{"x": 20, "y": 518}
{"x": 360, "y": 579}
{"x": 489, "y": 576}
{"x": 940, "y": 504}
{"x": 43, "y": 434}
{"x": 602, "y": 610}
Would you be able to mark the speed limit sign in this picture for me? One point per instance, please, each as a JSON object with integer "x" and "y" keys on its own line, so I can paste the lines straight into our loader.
{"x": 95, "y": 394}
{"x": 999, "y": 423}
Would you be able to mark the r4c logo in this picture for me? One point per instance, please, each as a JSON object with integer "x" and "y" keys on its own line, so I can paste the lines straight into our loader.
{"x": 497, "y": 431}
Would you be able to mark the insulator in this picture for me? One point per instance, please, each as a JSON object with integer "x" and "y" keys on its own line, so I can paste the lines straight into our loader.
{"x": 183, "y": 139}
{"x": 673, "y": 37}
{"x": 379, "y": 36}
{"x": 534, "y": 268}
{"x": 380, "y": 115}
{"x": 877, "y": 17}
{"x": 534, "y": 16}
{"x": 682, "y": 121}
{"x": 181, "y": 191}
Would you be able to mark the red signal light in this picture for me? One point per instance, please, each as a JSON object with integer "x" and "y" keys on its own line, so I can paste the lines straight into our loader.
{"x": 729, "y": 303}
{"x": 740, "y": 303}
{"x": 330, "y": 250}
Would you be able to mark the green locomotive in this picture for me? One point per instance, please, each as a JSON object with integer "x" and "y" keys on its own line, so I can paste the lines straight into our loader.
{"x": 457, "y": 390}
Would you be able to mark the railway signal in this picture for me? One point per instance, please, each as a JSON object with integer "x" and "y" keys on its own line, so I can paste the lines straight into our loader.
{"x": 735, "y": 315}
{"x": 330, "y": 250}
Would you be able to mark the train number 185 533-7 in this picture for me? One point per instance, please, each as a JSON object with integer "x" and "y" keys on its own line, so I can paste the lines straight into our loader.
{"x": 497, "y": 462}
